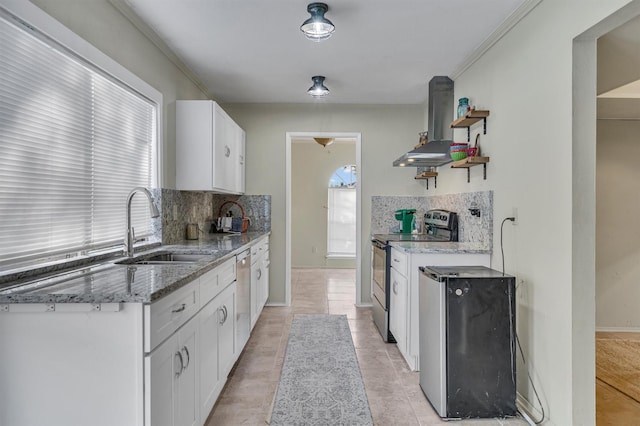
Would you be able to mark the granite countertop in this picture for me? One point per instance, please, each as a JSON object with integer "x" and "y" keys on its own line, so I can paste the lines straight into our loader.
{"x": 441, "y": 247}
{"x": 109, "y": 282}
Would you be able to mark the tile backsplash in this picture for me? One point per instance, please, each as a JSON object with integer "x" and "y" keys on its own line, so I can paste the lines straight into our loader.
{"x": 471, "y": 228}
{"x": 180, "y": 208}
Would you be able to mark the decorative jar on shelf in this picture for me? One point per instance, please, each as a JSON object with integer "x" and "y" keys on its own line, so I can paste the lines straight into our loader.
{"x": 463, "y": 107}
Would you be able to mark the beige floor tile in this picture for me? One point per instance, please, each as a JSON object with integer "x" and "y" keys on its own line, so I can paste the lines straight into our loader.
{"x": 393, "y": 391}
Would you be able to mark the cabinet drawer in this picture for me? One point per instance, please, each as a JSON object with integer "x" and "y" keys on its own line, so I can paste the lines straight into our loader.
{"x": 226, "y": 273}
{"x": 166, "y": 315}
{"x": 259, "y": 248}
{"x": 399, "y": 261}
{"x": 214, "y": 281}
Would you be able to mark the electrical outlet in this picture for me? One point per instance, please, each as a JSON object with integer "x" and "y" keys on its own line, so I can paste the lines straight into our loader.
{"x": 175, "y": 212}
{"x": 514, "y": 215}
{"x": 193, "y": 212}
{"x": 314, "y": 249}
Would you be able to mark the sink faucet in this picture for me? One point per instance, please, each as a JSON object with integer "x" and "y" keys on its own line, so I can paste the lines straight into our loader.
{"x": 129, "y": 237}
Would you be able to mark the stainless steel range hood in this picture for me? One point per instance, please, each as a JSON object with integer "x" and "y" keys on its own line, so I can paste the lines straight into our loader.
{"x": 435, "y": 152}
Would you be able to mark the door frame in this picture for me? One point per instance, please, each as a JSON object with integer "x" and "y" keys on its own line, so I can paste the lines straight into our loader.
{"x": 583, "y": 163}
{"x": 358, "y": 141}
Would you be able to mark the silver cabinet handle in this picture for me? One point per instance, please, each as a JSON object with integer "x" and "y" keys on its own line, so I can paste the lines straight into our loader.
{"x": 396, "y": 260}
{"x": 186, "y": 352}
{"x": 226, "y": 313}
{"x": 395, "y": 287}
{"x": 178, "y": 371}
{"x": 227, "y": 151}
{"x": 180, "y": 309}
{"x": 223, "y": 319}
{"x": 259, "y": 273}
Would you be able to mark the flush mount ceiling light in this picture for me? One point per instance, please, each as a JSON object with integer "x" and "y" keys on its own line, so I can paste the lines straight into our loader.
{"x": 324, "y": 141}
{"x": 318, "y": 89}
{"x": 317, "y": 28}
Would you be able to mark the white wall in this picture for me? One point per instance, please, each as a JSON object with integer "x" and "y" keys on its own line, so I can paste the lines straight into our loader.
{"x": 618, "y": 226}
{"x": 312, "y": 165}
{"x": 99, "y": 23}
{"x": 387, "y": 132}
{"x": 526, "y": 81}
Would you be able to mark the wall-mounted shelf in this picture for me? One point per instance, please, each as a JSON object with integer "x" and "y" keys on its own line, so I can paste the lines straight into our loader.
{"x": 469, "y": 162}
{"x": 469, "y": 119}
{"x": 426, "y": 176}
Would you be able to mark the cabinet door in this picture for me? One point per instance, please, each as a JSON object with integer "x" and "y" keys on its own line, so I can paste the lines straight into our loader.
{"x": 264, "y": 280}
{"x": 162, "y": 369}
{"x": 188, "y": 413}
{"x": 223, "y": 152}
{"x": 240, "y": 167}
{"x": 255, "y": 265}
{"x": 210, "y": 385}
{"x": 194, "y": 145}
{"x": 226, "y": 330}
{"x": 398, "y": 308}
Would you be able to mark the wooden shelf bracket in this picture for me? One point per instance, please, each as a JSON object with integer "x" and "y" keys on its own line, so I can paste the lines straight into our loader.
{"x": 426, "y": 175}
{"x": 469, "y": 162}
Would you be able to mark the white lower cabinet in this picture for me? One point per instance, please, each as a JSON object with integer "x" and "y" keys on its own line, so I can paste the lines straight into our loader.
{"x": 259, "y": 278}
{"x": 171, "y": 380}
{"x": 217, "y": 347}
{"x": 158, "y": 364}
{"x": 404, "y": 298}
{"x": 398, "y": 301}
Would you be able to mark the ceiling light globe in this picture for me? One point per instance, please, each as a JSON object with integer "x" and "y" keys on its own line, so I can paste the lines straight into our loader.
{"x": 317, "y": 28}
{"x": 318, "y": 89}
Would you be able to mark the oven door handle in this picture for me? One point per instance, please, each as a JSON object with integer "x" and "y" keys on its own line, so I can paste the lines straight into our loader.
{"x": 378, "y": 244}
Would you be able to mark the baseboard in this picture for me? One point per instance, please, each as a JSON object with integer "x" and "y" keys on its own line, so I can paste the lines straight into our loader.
{"x": 618, "y": 329}
{"x": 364, "y": 305}
{"x": 528, "y": 411}
{"x": 278, "y": 305}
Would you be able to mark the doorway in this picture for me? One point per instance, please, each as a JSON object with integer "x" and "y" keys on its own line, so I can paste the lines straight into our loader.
{"x": 588, "y": 214}
{"x": 307, "y": 138}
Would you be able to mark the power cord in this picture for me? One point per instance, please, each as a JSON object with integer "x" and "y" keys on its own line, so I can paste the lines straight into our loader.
{"x": 531, "y": 381}
{"x": 512, "y": 219}
{"x": 535, "y": 391}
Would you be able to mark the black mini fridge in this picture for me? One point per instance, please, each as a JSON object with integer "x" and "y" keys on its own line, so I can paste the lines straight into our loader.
{"x": 467, "y": 341}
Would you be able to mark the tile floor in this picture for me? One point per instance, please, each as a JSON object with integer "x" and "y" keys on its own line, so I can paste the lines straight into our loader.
{"x": 394, "y": 393}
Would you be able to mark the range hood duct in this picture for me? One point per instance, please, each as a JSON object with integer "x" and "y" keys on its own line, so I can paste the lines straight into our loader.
{"x": 435, "y": 152}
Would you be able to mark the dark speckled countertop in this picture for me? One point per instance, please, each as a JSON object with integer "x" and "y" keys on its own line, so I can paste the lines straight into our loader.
{"x": 108, "y": 282}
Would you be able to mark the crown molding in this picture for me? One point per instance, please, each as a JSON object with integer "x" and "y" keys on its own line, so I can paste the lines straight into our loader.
{"x": 123, "y": 7}
{"x": 495, "y": 36}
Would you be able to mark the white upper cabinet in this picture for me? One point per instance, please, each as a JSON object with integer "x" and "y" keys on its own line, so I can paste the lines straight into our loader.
{"x": 209, "y": 149}
{"x": 241, "y": 140}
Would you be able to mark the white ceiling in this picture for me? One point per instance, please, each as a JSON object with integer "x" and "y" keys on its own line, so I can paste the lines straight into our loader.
{"x": 382, "y": 52}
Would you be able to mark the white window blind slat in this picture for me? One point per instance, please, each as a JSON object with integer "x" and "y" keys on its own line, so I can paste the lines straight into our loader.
{"x": 73, "y": 143}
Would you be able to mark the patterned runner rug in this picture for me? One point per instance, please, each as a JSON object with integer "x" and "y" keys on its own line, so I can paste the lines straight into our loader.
{"x": 320, "y": 383}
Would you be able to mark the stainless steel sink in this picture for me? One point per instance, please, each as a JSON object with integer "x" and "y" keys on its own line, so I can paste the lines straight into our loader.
{"x": 164, "y": 258}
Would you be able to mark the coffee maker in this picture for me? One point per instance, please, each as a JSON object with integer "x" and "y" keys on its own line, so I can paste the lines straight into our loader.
{"x": 407, "y": 220}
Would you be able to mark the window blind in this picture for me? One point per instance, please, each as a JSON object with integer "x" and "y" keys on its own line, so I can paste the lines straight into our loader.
{"x": 73, "y": 143}
{"x": 341, "y": 229}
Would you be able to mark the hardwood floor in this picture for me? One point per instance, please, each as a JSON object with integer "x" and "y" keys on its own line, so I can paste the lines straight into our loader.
{"x": 617, "y": 379}
{"x": 394, "y": 393}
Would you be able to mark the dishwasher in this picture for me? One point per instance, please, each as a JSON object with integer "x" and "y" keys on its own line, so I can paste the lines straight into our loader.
{"x": 243, "y": 299}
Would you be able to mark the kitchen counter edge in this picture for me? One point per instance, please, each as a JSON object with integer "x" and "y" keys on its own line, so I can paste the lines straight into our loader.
{"x": 172, "y": 278}
{"x": 442, "y": 247}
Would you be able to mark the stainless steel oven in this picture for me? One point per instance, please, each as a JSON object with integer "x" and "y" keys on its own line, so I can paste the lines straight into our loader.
{"x": 439, "y": 225}
{"x": 380, "y": 286}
